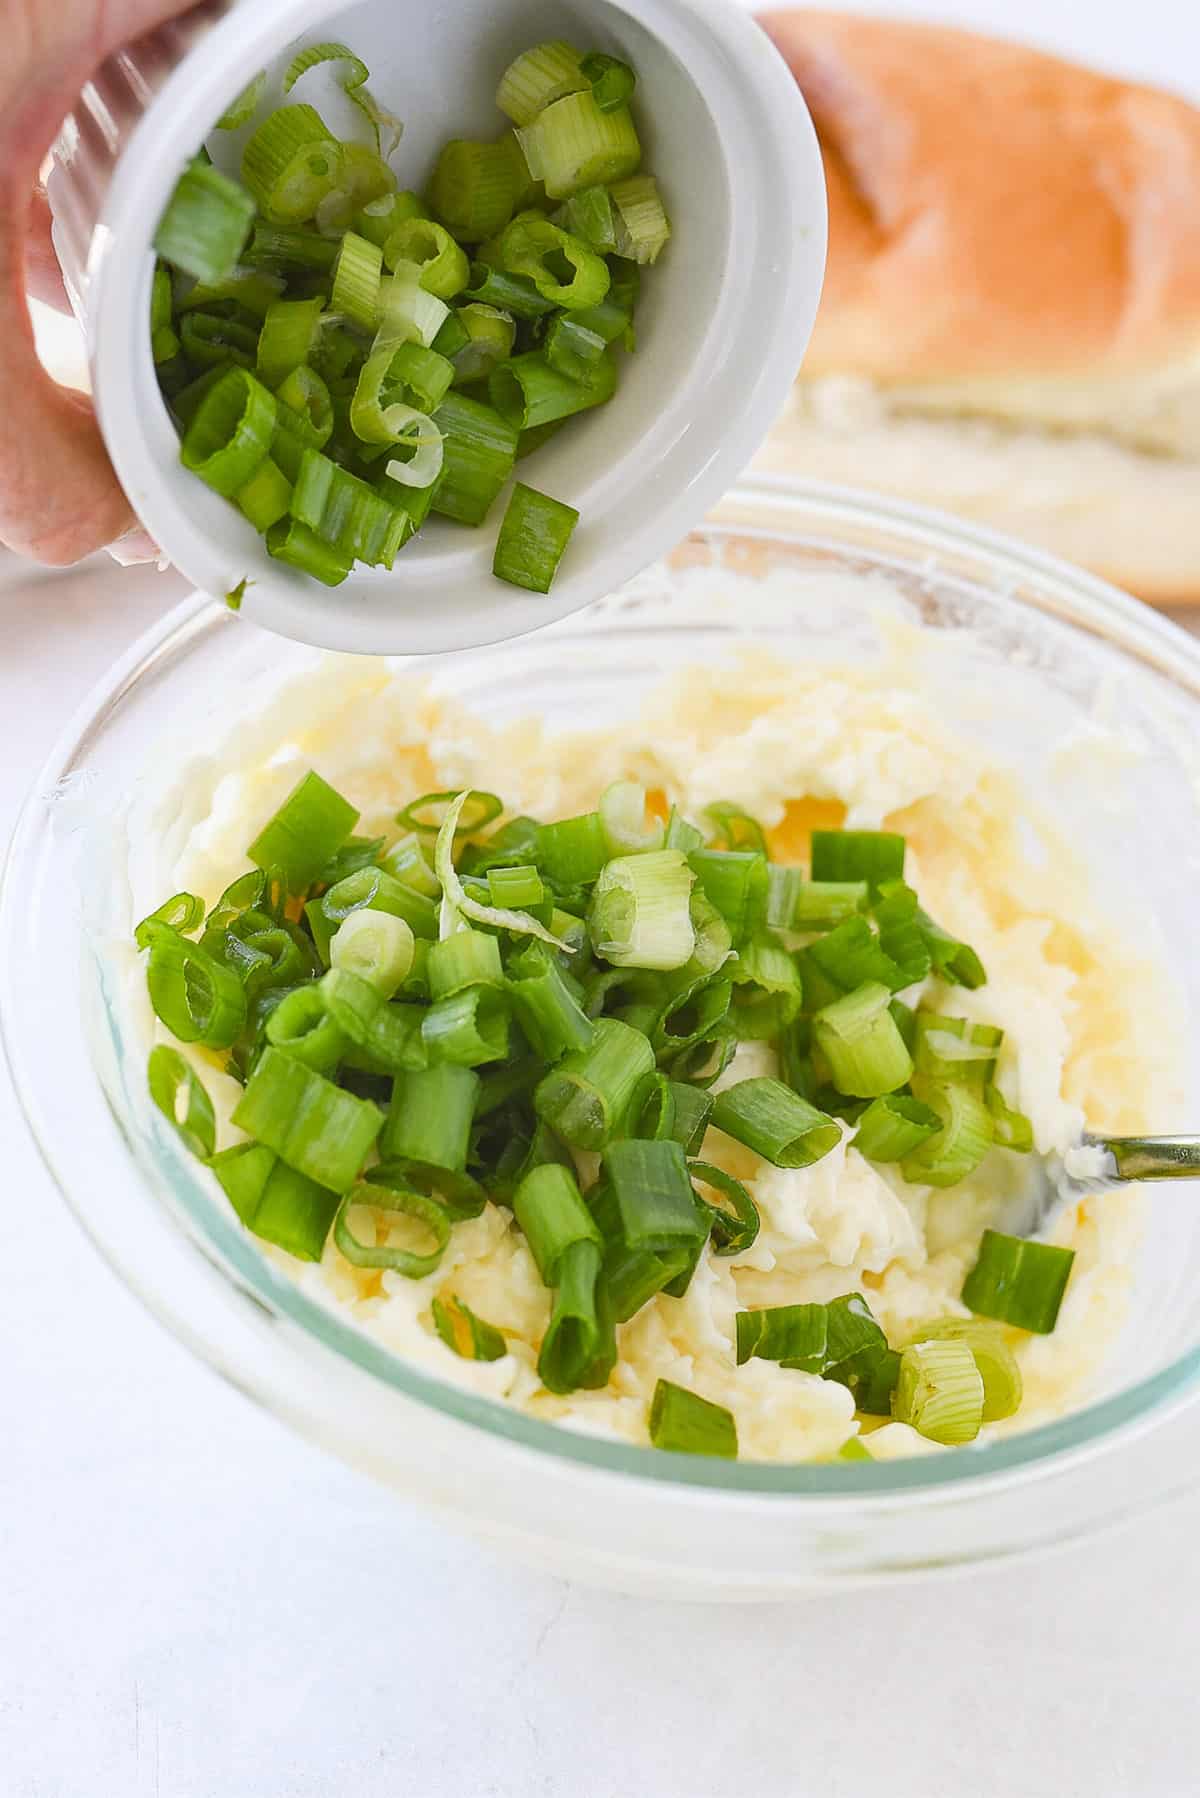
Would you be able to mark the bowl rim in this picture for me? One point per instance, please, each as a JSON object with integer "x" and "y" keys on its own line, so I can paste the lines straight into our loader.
{"x": 746, "y": 355}
{"x": 1051, "y": 1447}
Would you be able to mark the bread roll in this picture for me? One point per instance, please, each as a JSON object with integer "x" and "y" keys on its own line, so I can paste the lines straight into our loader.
{"x": 1011, "y": 320}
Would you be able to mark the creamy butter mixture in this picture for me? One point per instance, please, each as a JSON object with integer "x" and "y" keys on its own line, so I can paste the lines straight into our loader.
{"x": 798, "y": 746}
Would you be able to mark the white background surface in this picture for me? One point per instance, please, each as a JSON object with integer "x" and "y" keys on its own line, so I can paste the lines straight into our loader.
{"x": 193, "y": 1604}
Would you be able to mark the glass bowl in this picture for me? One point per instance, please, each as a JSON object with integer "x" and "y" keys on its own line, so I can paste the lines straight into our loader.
{"x": 1045, "y": 649}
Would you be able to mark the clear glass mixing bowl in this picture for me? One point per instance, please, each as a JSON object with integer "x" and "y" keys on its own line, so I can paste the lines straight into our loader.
{"x": 1046, "y": 649}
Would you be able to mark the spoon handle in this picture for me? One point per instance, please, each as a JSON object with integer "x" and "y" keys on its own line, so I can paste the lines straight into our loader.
{"x": 1151, "y": 1157}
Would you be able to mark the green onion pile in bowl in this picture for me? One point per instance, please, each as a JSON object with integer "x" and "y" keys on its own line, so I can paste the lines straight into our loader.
{"x": 472, "y": 1012}
{"x": 343, "y": 357}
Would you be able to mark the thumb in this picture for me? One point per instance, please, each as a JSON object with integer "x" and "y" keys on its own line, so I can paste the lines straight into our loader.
{"x": 59, "y": 497}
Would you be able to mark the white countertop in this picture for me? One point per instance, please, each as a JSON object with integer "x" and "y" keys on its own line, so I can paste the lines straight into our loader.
{"x": 195, "y": 1604}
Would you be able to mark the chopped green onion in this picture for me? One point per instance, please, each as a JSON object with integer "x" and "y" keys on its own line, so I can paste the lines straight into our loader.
{"x": 845, "y": 958}
{"x": 380, "y": 218}
{"x": 311, "y": 825}
{"x": 579, "y": 1347}
{"x": 276, "y": 247}
{"x": 408, "y": 311}
{"x": 612, "y": 81}
{"x": 998, "y": 1368}
{"x": 345, "y": 512}
{"x": 686, "y": 1424}
{"x": 573, "y": 851}
{"x": 486, "y": 337}
{"x": 552, "y": 1215}
{"x": 304, "y": 393}
{"x": 767, "y": 988}
{"x": 736, "y": 883}
{"x": 468, "y": 1335}
{"x": 468, "y": 958}
{"x": 507, "y": 293}
{"x": 205, "y": 226}
{"x": 429, "y": 1121}
{"x": 357, "y": 275}
{"x": 407, "y": 862}
{"x": 546, "y": 1008}
{"x": 179, "y": 1093}
{"x": 653, "y": 1194}
{"x": 388, "y": 1038}
{"x": 692, "y": 1111}
{"x": 533, "y": 247}
{"x": 277, "y": 1203}
{"x": 241, "y": 110}
{"x": 353, "y": 84}
{"x": 479, "y": 450}
{"x": 184, "y": 913}
{"x": 1010, "y": 1129}
{"x": 953, "y": 1049}
{"x": 266, "y": 496}
{"x": 691, "y": 1014}
{"x": 940, "y": 1391}
{"x": 290, "y": 164}
{"x": 469, "y": 1028}
{"x": 303, "y": 1026}
{"x": 794, "y": 903}
{"x": 640, "y": 915}
{"x": 474, "y": 814}
{"x": 893, "y": 1126}
{"x": 857, "y": 1354}
{"x": 589, "y": 215}
{"x": 375, "y": 946}
{"x": 870, "y": 855}
{"x": 572, "y": 349}
{"x": 516, "y": 887}
{"x": 212, "y": 340}
{"x": 643, "y": 228}
{"x": 1018, "y": 1282}
{"x": 230, "y": 432}
{"x": 533, "y": 537}
{"x": 197, "y": 997}
{"x": 733, "y": 1231}
{"x": 309, "y": 1123}
{"x": 585, "y": 1098}
{"x": 537, "y": 78}
{"x": 735, "y": 828}
{"x": 287, "y": 337}
{"x": 473, "y": 188}
{"x": 854, "y": 1449}
{"x": 623, "y": 820}
{"x": 527, "y": 392}
{"x": 393, "y": 1201}
{"x": 456, "y": 899}
{"x": 775, "y": 1122}
{"x": 374, "y": 889}
{"x": 443, "y": 264}
{"x": 962, "y": 1142}
{"x": 576, "y": 145}
{"x": 794, "y": 1335}
{"x": 858, "y": 1037}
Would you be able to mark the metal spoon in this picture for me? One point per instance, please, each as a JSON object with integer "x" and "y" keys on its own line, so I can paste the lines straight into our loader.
{"x": 1100, "y": 1164}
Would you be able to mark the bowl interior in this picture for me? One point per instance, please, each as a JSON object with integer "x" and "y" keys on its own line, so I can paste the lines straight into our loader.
{"x": 724, "y": 322}
{"x": 1041, "y": 655}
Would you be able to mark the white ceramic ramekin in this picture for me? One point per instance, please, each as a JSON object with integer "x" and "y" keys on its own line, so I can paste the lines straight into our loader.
{"x": 723, "y": 326}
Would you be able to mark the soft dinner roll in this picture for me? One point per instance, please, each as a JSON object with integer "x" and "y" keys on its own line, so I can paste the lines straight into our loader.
{"x": 1011, "y": 320}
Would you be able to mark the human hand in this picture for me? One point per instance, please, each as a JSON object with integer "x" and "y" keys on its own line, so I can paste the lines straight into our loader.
{"x": 59, "y": 497}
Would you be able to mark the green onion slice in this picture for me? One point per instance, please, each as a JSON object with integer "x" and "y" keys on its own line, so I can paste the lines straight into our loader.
{"x": 998, "y": 1368}
{"x": 274, "y": 1201}
{"x": 393, "y": 1201}
{"x": 230, "y": 433}
{"x": 640, "y": 915}
{"x": 205, "y": 226}
{"x": 184, "y": 913}
{"x": 468, "y": 1335}
{"x": 354, "y": 85}
{"x": 533, "y": 539}
{"x": 537, "y": 78}
{"x": 940, "y": 1391}
{"x": 870, "y": 855}
{"x": 197, "y": 997}
{"x": 733, "y": 1231}
{"x": 684, "y": 1423}
{"x": 241, "y": 110}
{"x": 1018, "y": 1282}
{"x": 894, "y": 1126}
{"x": 775, "y": 1122}
{"x": 311, "y": 1124}
{"x": 179, "y": 1093}
{"x": 585, "y": 1098}
{"x": 455, "y": 896}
